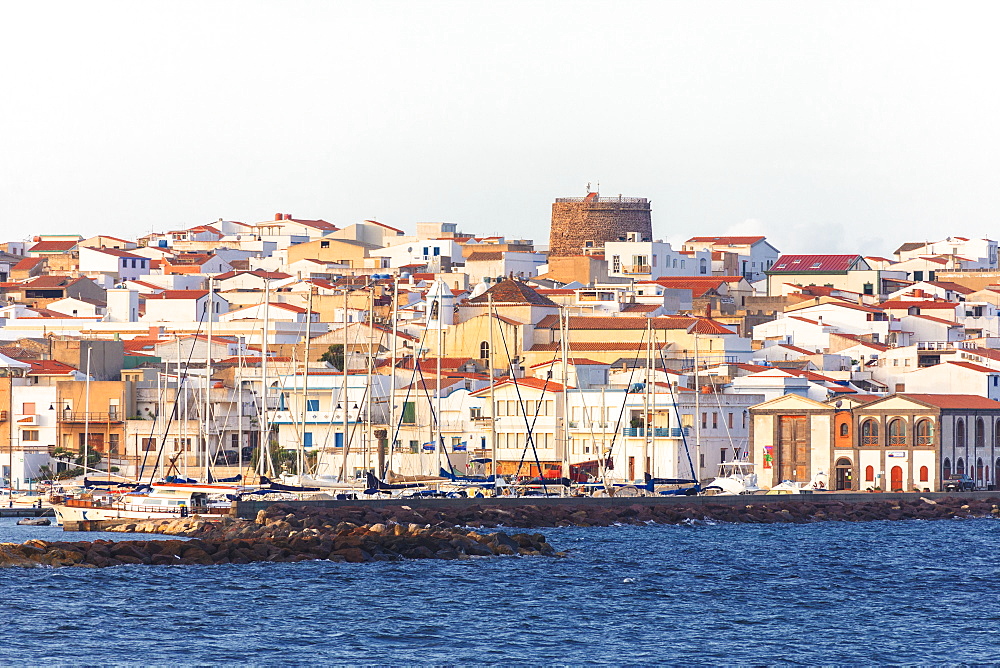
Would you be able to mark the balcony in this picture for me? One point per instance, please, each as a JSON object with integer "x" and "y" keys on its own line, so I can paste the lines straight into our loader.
{"x": 658, "y": 432}
{"x": 635, "y": 269}
{"x": 71, "y": 417}
{"x": 3, "y": 416}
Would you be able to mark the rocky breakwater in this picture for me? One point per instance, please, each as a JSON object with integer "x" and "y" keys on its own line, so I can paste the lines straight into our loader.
{"x": 275, "y": 536}
{"x": 594, "y": 512}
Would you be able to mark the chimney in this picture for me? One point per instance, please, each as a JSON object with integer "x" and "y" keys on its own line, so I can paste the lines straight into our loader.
{"x": 288, "y": 216}
{"x": 277, "y": 216}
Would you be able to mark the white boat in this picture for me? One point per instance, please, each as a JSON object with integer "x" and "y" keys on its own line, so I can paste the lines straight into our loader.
{"x": 735, "y": 477}
{"x": 165, "y": 501}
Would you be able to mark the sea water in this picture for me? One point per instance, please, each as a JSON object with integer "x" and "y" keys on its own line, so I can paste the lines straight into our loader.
{"x": 914, "y": 592}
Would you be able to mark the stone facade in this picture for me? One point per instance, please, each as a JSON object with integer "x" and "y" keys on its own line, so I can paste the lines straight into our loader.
{"x": 579, "y": 220}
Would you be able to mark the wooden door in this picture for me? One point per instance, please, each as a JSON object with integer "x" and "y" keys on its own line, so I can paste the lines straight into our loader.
{"x": 896, "y": 478}
{"x": 793, "y": 448}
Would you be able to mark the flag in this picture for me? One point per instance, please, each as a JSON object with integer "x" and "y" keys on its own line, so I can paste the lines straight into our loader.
{"x": 459, "y": 447}
{"x": 429, "y": 446}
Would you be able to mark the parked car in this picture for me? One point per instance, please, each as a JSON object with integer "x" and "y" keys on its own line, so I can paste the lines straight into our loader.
{"x": 227, "y": 457}
{"x": 959, "y": 482}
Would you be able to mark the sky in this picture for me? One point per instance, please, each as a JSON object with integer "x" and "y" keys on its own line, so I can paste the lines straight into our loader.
{"x": 828, "y": 127}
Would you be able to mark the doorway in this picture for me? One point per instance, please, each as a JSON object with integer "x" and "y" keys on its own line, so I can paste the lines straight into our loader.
{"x": 896, "y": 479}
{"x": 843, "y": 479}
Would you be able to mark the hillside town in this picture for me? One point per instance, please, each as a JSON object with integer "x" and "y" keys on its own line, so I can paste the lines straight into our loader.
{"x": 298, "y": 350}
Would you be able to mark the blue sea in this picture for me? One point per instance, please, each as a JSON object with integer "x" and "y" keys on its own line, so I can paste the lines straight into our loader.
{"x": 914, "y": 592}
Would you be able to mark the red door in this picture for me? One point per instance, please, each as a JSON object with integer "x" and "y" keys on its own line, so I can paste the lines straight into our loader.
{"x": 896, "y": 478}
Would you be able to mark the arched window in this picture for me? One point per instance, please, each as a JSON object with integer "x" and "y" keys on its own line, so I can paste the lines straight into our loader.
{"x": 897, "y": 432}
{"x": 869, "y": 432}
{"x": 484, "y": 350}
{"x": 960, "y": 466}
{"x": 925, "y": 432}
{"x": 960, "y": 433}
{"x": 869, "y": 473}
{"x": 924, "y": 474}
{"x": 702, "y": 267}
{"x": 980, "y": 470}
{"x": 844, "y": 429}
{"x": 980, "y": 433}
{"x": 946, "y": 468}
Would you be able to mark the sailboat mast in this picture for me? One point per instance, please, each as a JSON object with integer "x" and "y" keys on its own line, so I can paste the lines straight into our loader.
{"x": 343, "y": 394}
{"x": 301, "y": 453}
{"x": 206, "y": 419}
{"x": 371, "y": 358}
{"x": 493, "y": 402}
{"x": 391, "y": 432}
{"x": 86, "y": 420}
{"x": 440, "y": 343}
{"x": 697, "y": 412}
{"x": 564, "y": 345}
{"x": 264, "y": 446}
{"x": 647, "y": 408}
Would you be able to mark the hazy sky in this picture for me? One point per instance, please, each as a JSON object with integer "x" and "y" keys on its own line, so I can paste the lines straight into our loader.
{"x": 835, "y": 126}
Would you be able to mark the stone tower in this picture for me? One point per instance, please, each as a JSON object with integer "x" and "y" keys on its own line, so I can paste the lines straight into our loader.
{"x": 581, "y": 225}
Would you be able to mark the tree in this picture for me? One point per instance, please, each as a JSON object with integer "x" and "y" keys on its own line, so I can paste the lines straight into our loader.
{"x": 334, "y": 356}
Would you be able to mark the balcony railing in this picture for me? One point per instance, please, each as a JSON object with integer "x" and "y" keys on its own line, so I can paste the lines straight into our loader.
{"x": 71, "y": 417}
{"x": 635, "y": 269}
{"x": 3, "y": 416}
{"x": 658, "y": 432}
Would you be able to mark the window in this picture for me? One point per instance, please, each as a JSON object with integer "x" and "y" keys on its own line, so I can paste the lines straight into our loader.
{"x": 960, "y": 466}
{"x": 897, "y": 432}
{"x": 312, "y": 405}
{"x": 869, "y": 432}
{"x": 324, "y": 244}
{"x": 616, "y": 264}
{"x": 980, "y": 433}
{"x": 475, "y": 412}
{"x": 704, "y": 420}
{"x": 869, "y": 289}
{"x": 113, "y": 441}
{"x": 730, "y": 420}
{"x": 28, "y": 409}
{"x": 29, "y": 435}
{"x": 845, "y": 430}
{"x": 925, "y": 432}
{"x": 960, "y": 434}
{"x": 414, "y": 447}
{"x": 918, "y": 275}
{"x": 307, "y": 439}
{"x": 715, "y": 420}
{"x": 946, "y": 467}
{"x": 484, "y": 350}
{"x": 149, "y": 444}
{"x": 409, "y": 412}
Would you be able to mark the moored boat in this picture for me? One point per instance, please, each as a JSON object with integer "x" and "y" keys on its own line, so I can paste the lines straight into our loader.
{"x": 161, "y": 501}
